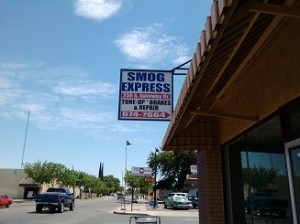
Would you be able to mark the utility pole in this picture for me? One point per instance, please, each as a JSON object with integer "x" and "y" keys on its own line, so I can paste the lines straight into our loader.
{"x": 25, "y": 139}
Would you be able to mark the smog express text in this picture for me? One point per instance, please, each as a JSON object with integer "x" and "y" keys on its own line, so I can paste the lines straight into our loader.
{"x": 146, "y": 91}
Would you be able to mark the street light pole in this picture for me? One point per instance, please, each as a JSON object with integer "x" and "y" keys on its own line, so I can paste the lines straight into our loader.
{"x": 155, "y": 171}
{"x": 127, "y": 143}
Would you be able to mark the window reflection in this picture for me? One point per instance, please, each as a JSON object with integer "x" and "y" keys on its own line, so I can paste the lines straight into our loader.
{"x": 295, "y": 166}
{"x": 257, "y": 165}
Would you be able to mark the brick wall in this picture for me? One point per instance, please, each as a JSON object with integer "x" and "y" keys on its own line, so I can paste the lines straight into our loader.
{"x": 210, "y": 184}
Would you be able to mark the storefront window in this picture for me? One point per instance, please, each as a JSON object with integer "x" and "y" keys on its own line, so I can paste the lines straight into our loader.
{"x": 259, "y": 190}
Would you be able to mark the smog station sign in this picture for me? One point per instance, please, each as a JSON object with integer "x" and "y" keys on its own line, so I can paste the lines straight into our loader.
{"x": 145, "y": 95}
{"x": 141, "y": 171}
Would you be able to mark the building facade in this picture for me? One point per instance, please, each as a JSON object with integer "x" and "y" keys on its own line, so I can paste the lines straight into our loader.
{"x": 15, "y": 183}
{"x": 239, "y": 107}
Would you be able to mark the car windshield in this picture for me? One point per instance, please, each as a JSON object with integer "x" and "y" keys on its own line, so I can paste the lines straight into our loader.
{"x": 180, "y": 198}
{"x": 59, "y": 190}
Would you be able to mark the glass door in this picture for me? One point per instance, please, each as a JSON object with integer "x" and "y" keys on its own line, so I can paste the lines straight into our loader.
{"x": 293, "y": 161}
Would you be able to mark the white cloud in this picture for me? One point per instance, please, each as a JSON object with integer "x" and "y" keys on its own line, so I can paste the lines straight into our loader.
{"x": 80, "y": 118}
{"x": 9, "y": 91}
{"x": 126, "y": 128}
{"x": 85, "y": 88}
{"x": 59, "y": 97}
{"x": 149, "y": 45}
{"x": 97, "y": 10}
{"x": 33, "y": 107}
{"x": 12, "y": 66}
{"x": 136, "y": 45}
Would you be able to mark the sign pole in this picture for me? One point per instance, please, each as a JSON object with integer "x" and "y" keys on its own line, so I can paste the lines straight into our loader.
{"x": 155, "y": 171}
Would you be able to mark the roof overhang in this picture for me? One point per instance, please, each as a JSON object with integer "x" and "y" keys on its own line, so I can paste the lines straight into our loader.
{"x": 28, "y": 182}
{"x": 235, "y": 32}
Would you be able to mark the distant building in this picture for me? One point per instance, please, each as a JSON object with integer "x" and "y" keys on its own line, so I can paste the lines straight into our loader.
{"x": 15, "y": 183}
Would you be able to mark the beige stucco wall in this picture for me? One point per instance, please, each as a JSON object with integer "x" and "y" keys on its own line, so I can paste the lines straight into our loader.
{"x": 10, "y": 180}
{"x": 268, "y": 83}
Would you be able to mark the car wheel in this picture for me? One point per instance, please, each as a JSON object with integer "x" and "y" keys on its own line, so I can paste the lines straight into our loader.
{"x": 7, "y": 206}
{"x": 39, "y": 208}
{"x": 72, "y": 205}
{"x": 52, "y": 209}
{"x": 61, "y": 208}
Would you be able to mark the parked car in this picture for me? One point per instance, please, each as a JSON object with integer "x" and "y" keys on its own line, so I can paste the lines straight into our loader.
{"x": 179, "y": 194}
{"x": 5, "y": 200}
{"x": 194, "y": 201}
{"x": 262, "y": 203}
{"x": 177, "y": 201}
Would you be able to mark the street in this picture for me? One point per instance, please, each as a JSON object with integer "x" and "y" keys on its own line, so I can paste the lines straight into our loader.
{"x": 90, "y": 211}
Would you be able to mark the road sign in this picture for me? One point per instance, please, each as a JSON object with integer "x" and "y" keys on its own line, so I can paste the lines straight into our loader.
{"x": 141, "y": 171}
{"x": 193, "y": 169}
{"x": 148, "y": 179}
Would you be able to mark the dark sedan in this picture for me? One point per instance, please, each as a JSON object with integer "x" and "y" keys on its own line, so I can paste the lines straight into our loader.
{"x": 194, "y": 201}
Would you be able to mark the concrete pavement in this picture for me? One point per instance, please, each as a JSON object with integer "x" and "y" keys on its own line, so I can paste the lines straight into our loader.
{"x": 142, "y": 207}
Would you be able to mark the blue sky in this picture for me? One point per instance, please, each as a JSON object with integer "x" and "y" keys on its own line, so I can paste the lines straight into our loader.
{"x": 61, "y": 61}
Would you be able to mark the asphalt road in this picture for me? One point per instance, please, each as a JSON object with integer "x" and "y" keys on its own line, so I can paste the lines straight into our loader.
{"x": 91, "y": 211}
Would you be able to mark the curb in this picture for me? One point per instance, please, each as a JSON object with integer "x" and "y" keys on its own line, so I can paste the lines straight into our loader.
{"x": 129, "y": 213}
{"x": 17, "y": 201}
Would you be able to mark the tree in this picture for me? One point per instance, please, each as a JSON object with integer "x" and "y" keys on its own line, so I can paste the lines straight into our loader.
{"x": 57, "y": 174}
{"x": 70, "y": 178}
{"x": 45, "y": 173}
{"x": 35, "y": 172}
{"x": 112, "y": 183}
{"x": 87, "y": 181}
{"x": 143, "y": 185}
{"x": 98, "y": 186}
{"x": 173, "y": 167}
{"x": 259, "y": 177}
{"x": 137, "y": 182}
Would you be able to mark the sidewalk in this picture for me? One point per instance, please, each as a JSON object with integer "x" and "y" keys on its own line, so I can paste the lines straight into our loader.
{"x": 142, "y": 207}
{"x": 24, "y": 201}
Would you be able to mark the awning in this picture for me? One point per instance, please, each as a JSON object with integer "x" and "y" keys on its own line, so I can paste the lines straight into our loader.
{"x": 28, "y": 182}
{"x": 234, "y": 34}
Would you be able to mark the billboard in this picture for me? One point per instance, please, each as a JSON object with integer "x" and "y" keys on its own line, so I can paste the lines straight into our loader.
{"x": 141, "y": 171}
{"x": 145, "y": 95}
